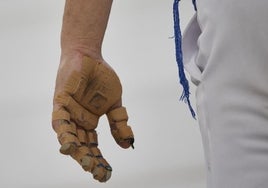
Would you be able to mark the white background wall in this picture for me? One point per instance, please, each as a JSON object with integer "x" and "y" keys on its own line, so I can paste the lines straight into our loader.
{"x": 168, "y": 144}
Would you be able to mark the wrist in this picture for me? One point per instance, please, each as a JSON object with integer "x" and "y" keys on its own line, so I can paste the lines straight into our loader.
{"x": 70, "y": 49}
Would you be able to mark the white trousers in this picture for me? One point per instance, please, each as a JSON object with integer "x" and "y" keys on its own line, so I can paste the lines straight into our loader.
{"x": 226, "y": 53}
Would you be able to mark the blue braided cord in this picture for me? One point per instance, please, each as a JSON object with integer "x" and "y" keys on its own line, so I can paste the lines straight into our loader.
{"x": 178, "y": 37}
{"x": 194, "y": 3}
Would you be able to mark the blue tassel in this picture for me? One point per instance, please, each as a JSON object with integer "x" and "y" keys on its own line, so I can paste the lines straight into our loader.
{"x": 178, "y": 37}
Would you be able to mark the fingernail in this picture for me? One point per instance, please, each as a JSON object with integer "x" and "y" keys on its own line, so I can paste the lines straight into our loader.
{"x": 108, "y": 168}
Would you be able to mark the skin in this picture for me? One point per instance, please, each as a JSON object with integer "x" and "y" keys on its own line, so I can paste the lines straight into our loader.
{"x": 83, "y": 28}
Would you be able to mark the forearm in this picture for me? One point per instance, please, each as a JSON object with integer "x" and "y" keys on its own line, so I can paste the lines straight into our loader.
{"x": 84, "y": 25}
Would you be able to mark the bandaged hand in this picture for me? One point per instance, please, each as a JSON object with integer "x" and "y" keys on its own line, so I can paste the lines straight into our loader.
{"x": 86, "y": 90}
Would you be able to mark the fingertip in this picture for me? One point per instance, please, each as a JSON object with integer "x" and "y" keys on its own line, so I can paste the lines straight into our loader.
{"x": 124, "y": 145}
{"x": 127, "y": 143}
{"x": 68, "y": 148}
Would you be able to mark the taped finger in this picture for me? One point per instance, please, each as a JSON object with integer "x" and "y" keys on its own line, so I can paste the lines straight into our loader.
{"x": 101, "y": 174}
{"x": 93, "y": 147}
{"x": 121, "y": 132}
{"x": 66, "y": 131}
{"x": 78, "y": 113}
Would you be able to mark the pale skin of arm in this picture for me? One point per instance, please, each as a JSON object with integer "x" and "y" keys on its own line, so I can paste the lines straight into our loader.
{"x": 84, "y": 25}
{"x": 83, "y": 28}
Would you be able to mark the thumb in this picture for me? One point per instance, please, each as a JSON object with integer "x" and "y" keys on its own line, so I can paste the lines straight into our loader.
{"x": 121, "y": 132}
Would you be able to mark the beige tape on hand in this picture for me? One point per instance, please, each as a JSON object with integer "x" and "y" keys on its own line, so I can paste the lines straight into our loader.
{"x": 120, "y": 130}
{"x": 87, "y": 95}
